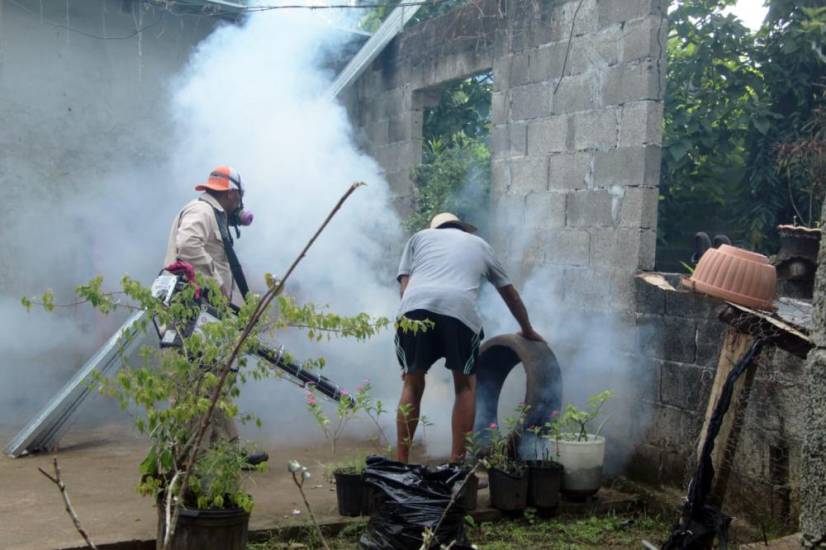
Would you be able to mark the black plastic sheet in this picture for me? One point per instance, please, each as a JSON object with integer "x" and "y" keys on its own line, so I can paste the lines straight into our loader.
{"x": 414, "y": 497}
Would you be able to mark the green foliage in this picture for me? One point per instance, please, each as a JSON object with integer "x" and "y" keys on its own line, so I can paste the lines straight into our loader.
{"x": 498, "y": 439}
{"x": 354, "y": 464}
{"x": 732, "y": 97}
{"x": 556, "y": 533}
{"x": 346, "y": 409}
{"x": 575, "y": 424}
{"x": 173, "y": 387}
{"x": 455, "y": 172}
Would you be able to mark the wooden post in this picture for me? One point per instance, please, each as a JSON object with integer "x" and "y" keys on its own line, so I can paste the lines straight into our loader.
{"x": 735, "y": 345}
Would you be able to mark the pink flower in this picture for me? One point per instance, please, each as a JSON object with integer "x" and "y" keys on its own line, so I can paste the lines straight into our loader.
{"x": 311, "y": 398}
{"x": 554, "y": 414}
{"x": 360, "y": 389}
{"x": 493, "y": 426}
{"x": 344, "y": 393}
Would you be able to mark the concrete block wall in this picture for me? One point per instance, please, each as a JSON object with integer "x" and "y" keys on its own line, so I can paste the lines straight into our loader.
{"x": 584, "y": 136}
{"x": 576, "y": 131}
{"x": 680, "y": 339}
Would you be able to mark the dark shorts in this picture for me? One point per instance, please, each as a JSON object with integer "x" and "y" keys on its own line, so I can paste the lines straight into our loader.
{"x": 450, "y": 338}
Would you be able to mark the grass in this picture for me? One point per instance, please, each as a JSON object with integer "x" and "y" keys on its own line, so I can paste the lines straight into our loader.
{"x": 558, "y": 533}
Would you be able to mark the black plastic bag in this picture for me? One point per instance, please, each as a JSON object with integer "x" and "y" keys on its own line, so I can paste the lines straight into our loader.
{"x": 414, "y": 497}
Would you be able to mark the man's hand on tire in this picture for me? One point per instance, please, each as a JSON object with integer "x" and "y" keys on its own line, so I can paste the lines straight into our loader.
{"x": 531, "y": 335}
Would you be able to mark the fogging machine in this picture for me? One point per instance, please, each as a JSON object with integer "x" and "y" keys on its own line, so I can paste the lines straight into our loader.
{"x": 168, "y": 284}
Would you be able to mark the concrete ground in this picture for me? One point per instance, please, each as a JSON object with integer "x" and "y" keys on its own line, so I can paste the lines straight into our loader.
{"x": 99, "y": 468}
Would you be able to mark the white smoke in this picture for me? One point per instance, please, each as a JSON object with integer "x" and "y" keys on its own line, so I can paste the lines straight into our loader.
{"x": 252, "y": 96}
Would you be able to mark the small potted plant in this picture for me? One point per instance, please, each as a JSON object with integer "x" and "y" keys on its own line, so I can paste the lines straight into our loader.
{"x": 507, "y": 476}
{"x": 544, "y": 474}
{"x": 351, "y": 493}
{"x": 577, "y": 444}
{"x": 193, "y": 473}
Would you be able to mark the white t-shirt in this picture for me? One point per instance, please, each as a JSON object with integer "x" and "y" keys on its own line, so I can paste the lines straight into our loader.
{"x": 446, "y": 268}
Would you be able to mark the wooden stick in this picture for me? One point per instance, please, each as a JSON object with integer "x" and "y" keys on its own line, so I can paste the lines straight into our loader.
{"x": 69, "y": 509}
{"x": 226, "y": 368}
{"x": 300, "y": 485}
{"x": 428, "y": 538}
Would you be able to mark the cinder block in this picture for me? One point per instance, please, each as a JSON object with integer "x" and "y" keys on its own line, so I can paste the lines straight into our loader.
{"x": 597, "y": 50}
{"x": 567, "y": 247}
{"x": 520, "y": 72}
{"x": 509, "y": 141}
{"x": 611, "y": 12}
{"x": 641, "y": 123}
{"x": 570, "y": 171}
{"x": 405, "y": 128}
{"x": 590, "y": 209}
{"x": 508, "y": 209}
{"x": 545, "y": 210}
{"x": 648, "y": 249}
{"x": 530, "y": 101}
{"x": 709, "y": 340}
{"x": 588, "y": 290}
{"x": 596, "y": 129}
{"x": 639, "y": 207}
{"x": 650, "y": 299}
{"x": 546, "y": 62}
{"x": 499, "y": 108}
{"x": 668, "y": 338}
{"x": 587, "y": 18}
{"x": 685, "y": 386}
{"x": 615, "y": 248}
{"x": 643, "y": 38}
{"x": 500, "y": 177}
{"x": 576, "y": 93}
{"x": 529, "y": 174}
{"x": 674, "y": 429}
{"x": 549, "y": 135}
{"x": 377, "y": 133}
{"x": 635, "y": 81}
{"x": 682, "y": 303}
{"x": 502, "y": 72}
{"x": 622, "y": 294}
{"x": 628, "y": 167}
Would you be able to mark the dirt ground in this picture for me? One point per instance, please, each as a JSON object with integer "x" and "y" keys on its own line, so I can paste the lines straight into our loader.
{"x": 100, "y": 467}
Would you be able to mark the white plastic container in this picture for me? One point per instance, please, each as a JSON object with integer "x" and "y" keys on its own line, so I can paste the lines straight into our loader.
{"x": 583, "y": 461}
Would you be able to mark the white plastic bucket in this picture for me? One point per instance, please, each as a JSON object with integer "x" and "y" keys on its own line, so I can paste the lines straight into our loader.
{"x": 583, "y": 461}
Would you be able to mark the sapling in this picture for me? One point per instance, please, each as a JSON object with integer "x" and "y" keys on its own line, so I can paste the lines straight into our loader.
{"x": 574, "y": 424}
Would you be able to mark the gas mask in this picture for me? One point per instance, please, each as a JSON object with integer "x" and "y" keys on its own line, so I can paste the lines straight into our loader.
{"x": 240, "y": 216}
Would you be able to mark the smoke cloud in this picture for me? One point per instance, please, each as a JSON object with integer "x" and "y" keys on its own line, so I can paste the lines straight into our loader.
{"x": 252, "y": 96}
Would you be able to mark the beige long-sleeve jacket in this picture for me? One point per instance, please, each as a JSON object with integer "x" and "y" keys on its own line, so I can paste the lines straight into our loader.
{"x": 195, "y": 238}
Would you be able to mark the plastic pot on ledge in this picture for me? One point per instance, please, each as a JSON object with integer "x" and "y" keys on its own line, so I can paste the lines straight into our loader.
{"x": 736, "y": 275}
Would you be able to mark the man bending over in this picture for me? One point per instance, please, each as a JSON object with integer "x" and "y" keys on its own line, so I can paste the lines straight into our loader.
{"x": 440, "y": 273}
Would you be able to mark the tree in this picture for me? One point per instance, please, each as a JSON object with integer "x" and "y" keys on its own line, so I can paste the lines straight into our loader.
{"x": 733, "y": 96}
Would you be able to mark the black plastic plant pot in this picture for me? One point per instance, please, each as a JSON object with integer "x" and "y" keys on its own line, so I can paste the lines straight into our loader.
{"x": 508, "y": 491}
{"x": 467, "y": 497}
{"x": 206, "y": 529}
{"x": 544, "y": 484}
{"x": 372, "y": 499}
{"x": 349, "y": 493}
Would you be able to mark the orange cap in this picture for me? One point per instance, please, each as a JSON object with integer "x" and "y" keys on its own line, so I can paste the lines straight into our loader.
{"x": 222, "y": 178}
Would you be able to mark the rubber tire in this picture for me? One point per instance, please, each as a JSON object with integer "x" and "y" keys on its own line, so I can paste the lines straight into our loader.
{"x": 543, "y": 377}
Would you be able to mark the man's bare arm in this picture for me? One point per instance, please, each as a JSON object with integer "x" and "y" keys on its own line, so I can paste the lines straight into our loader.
{"x": 403, "y": 279}
{"x": 517, "y": 308}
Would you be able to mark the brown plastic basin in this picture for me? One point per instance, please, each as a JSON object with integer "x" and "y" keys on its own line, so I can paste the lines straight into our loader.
{"x": 736, "y": 275}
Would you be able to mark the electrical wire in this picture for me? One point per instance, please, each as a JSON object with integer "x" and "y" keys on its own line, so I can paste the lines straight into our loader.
{"x": 212, "y": 9}
{"x": 85, "y": 33}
